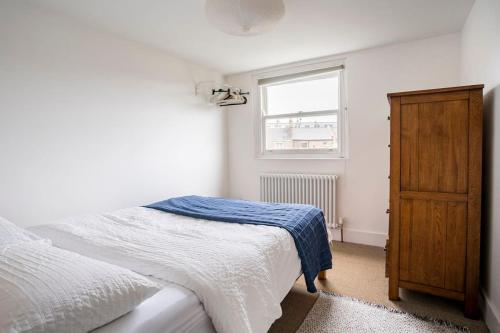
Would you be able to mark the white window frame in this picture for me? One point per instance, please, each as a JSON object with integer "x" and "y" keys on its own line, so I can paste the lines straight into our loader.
{"x": 259, "y": 124}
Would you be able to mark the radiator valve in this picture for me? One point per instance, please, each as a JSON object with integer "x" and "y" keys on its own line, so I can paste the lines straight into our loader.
{"x": 340, "y": 225}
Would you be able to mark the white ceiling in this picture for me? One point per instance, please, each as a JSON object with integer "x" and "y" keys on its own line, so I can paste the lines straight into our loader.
{"x": 310, "y": 28}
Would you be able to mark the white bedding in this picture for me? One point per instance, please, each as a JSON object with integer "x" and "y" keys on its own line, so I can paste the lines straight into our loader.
{"x": 47, "y": 289}
{"x": 12, "y": 234}
{"x": 239, "y": 272}
{"x": 173, "y": 309}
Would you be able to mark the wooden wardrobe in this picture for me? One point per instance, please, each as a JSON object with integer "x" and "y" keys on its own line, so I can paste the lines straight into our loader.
{"x": 435, "y": 193}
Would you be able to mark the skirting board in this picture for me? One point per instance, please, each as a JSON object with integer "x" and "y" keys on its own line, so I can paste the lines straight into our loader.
{"x": 490, "y": 312}
{"x": 361, "y": 237}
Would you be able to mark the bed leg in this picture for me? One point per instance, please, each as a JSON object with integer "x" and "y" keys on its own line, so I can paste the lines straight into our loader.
{"x": 322, "y": 275}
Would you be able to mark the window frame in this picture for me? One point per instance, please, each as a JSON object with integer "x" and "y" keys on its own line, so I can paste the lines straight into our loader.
{"x": 260, "y": 117}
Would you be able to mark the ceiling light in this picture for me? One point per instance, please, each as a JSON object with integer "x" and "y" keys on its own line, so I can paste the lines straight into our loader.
{"x": 244, "y": 17}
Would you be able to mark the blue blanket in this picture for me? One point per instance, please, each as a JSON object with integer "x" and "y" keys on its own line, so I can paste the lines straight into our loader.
{"x": 305, "y": 223}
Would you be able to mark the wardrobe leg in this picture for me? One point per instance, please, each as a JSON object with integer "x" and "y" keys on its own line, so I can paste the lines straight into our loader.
{"x": 393, "y": 290}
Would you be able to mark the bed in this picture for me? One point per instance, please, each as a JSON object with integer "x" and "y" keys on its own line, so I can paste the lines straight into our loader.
{"x": 177, "y": 309}
{"x": 224, "y": 277}
{"x": 173, "y": 309}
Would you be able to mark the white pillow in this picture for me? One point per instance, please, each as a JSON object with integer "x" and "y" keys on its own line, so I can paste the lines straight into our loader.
{"x": 12, "y": 234}
{"x": 47, "y": 289}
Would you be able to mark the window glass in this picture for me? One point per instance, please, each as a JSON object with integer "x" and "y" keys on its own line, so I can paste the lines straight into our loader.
{"x": 315, "y": 94}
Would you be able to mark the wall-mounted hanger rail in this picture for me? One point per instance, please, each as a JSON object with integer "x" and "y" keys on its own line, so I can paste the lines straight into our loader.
{"x": 229, "y": 91}
{"x": 229, "y": 97}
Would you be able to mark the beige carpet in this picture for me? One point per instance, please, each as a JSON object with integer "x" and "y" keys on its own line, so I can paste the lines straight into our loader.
{"x": 359, "y": 271}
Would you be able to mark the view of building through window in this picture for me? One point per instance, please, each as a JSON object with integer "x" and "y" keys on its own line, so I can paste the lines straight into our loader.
{"x": 318, "y": 132}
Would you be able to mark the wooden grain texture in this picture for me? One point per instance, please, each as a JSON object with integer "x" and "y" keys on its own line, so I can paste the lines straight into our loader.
{"x": 456, "y": 236}
{"x": 409, "y": 147}
{"x": 438, "y": 196}
{"x": 432, "y": 98}
{"x": 434, "y": 149}
{"x": 455, "y": 147}
{"x": 427, "y": 240}
{"x": 432, "y": 290}
{"x": 434, "y": 91}
{"x": 432, "y": 243}
{"x": 394, "y": 198}
{"x": 436, "y": 261}
{"x": 474, "y": 203}
{"x": 405, "y": 244}
{"x": 387, "y": 257}
{"x": 435, "y": 193}
{"x": 429, "y": 142}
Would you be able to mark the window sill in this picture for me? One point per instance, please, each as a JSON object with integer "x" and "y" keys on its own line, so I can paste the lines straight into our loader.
{"x": 299, "y": 157}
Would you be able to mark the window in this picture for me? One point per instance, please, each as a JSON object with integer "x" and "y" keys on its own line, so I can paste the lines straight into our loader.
{"x": 301, "y": 114}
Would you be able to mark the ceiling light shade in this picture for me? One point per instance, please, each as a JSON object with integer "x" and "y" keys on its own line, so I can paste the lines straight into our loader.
{"x": 244, "y": 17}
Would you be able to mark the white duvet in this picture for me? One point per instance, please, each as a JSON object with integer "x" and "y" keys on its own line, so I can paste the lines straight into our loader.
{"x": 234, "y": 269}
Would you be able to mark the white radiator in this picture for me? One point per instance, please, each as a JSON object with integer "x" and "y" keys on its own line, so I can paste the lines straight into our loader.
{"x": 316, "y": 190}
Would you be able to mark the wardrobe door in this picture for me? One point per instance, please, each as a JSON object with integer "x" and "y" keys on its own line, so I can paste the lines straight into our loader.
{"x": 433, "y": 242}
{"x": 433, "y": 190}
{"x": 434, "y": 147}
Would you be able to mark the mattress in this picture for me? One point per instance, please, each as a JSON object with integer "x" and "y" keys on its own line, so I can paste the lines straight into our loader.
{"x": 172, "y": 309}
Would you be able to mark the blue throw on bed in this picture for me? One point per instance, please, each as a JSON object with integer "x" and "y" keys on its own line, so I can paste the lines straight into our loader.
{"x": 305, "y": 223}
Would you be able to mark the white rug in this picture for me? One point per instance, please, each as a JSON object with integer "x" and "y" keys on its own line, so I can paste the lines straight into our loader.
{"x": 332, "y": 313}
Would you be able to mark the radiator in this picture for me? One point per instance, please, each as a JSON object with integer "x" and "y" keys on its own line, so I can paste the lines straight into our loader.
{"x": 316, "y": 190}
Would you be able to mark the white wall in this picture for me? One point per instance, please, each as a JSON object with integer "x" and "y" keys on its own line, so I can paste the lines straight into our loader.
{"x": 481, "y": 64}
{"x": 92, "y": 122}
{"x": 363, "y": 185}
